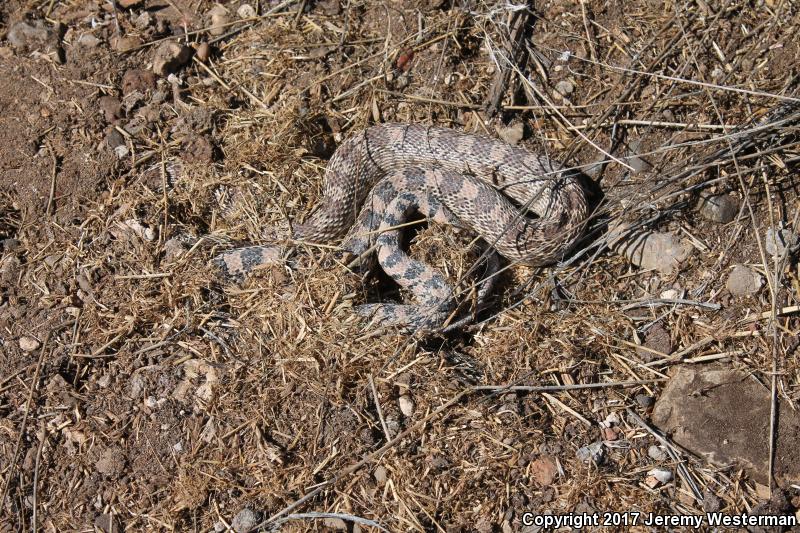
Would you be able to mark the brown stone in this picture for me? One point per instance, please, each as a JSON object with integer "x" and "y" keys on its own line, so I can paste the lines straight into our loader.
{"x": 657, "y": 342}
{"x": 723, "y": 415}
{"x": 544, "y": 470}
{"x": 111, "y": 108}
{"x": 169, "y": 57}
{"x": 138, "y": 80}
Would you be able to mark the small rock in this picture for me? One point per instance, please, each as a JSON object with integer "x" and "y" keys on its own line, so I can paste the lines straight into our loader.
{"x": 645, "y": 400}
{"x": 126, "y": 4}
{"x": 610, "y": 434}
{"x": 380, "y": 476}
{"x": 650, "y": 250}
{"x": 87, "y": 40}
{"x": 743, "y": 282}
{"x": 594, "y": 453}
{"x": 544, "y": 470}
{"x": 406, "y": 405}
{"x": 169, "y": 57}
{"x": 662, "y": 475}
{"x": 513, "y": 133}
{"x": 104, "y": 381}
{"x": 669, "y": 294}
{"x": 143, "y": 21}
{"x": 198, "y": 149}
{"x": 637, "y": 162}
{"x": 121, "y": 151}
{"x": 114, "y": 138}
{"x": 245, "y": 520}
{"x": 219, "y": 19}
{"x": 111, "y": 108}
{"x": 564, "y": 87}
{"x": 125, "y": 43}
{"x": 652, "y": 482}
{"x": 142, "y": 231}
{"x": 174, "y": 248}
{"x": 656, "y": 453}
{"x": 778, "y": 241}
{"x": 721, "y": 208}
{"x": 203, "y": 51}
{"x": 107, "y": 523}
{"x": 138, "y": 80}
{"x": 657, "y": 341}
{"x": 246, "y": 11}
{"x": 23, "y": 36}
{"x": 28, "y": 344}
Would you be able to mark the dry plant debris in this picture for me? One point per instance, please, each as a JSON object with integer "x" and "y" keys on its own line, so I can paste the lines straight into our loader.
{"x": 140, "y": 138}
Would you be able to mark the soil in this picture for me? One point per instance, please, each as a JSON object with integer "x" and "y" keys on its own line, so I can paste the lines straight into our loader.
{"x": 138, "y": 390}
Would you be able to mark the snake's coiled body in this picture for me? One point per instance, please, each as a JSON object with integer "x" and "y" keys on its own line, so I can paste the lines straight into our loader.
{"x": 378, "y": 178}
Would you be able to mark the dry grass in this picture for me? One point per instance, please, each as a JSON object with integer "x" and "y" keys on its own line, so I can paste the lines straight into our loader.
{"x": 271, "y": 394}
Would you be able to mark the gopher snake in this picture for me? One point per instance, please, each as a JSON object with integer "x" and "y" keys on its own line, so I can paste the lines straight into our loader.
{"x": 380, "y": 177}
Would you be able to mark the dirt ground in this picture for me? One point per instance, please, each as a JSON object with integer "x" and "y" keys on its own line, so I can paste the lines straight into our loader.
{"x": 140, "y": 391}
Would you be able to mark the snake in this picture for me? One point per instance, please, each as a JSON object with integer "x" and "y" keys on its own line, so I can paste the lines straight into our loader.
{"x": 525, "y": 206}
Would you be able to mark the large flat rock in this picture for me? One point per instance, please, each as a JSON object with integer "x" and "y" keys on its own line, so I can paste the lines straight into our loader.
{"x": 723, "y": 415}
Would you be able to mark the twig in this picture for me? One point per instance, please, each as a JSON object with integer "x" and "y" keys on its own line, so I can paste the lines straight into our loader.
{"x": 515, "y": 47}
{"x": 50, "y": 208}
{"x": 561, "y": 388}
{"x": 671, "y": 301}
{"x": 378, "y": 408}
{"x": 783, "y": 311}
{"x": 658, "y": 123}
{"x": 567, "y": 408}
{"x": 34, "y": 525}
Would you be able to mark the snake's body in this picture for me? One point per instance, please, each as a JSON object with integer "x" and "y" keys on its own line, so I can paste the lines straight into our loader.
{"x": 379, "y": 178}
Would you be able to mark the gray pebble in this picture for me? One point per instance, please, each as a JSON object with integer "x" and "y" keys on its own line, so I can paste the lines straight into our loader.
{"x": 28, "y": 344}
{"x": 645, "y": 400}
{"x": 594, "y": 453}
{"x": 721, "y": 208}
{"x": 22, "y": 35}
{"x": 144, "y": 20}
{"x": 380, "y": 476}
{"x": 778, "y": 241}
{"x": 565, "y": 87}
{"x": 656, "y": 453}
{"x": 743, "y": 282}
{"x": 650, "y": 250}
{"x": 88, "y": 40}
{"x": 245, "y": 520}
{"x": 513, "y": 133}
{"x": 114, "y": 139}
{"x": 638, "y": 163}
